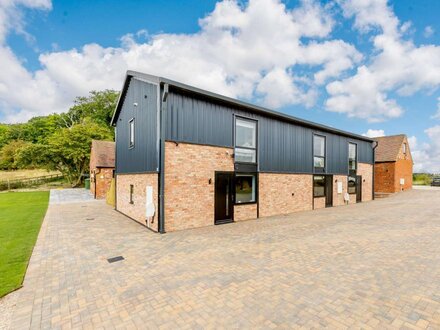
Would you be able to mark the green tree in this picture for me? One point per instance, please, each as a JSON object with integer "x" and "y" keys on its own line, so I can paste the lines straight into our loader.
{"x": 38, "y": 129}
{"x": 67, "y": 150}
{"x": 99, "y": 106}
{"x": 9, "y": 154}
{"x": 5, "y": 134}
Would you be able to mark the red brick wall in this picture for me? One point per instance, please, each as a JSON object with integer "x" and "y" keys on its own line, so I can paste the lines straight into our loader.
{"x": 102, "y": 178}
{"x": 136, "y": 210}
{"x": 318, "y": 203}
{"x": 338, "y": 199}
{"x": 189, "y": 197}
{"x": 245, "y": 212}
{"x": 404, "y": 170}
{"x": 284, "y": 193}
{"x": 384, "y": 177}
{"x": 366, "y": 171}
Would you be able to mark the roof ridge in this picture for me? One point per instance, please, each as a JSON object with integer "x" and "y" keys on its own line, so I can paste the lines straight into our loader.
{"x": 388, "y": 136}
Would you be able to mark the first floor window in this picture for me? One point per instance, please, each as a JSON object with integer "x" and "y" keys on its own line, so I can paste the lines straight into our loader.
{"x": 319, "y": 153}
{"x": 352, "y": 157}
{"x": 319, "y": 186}
{"x": 352, "y": 185}
{"x": 245, "y": 186}
{"x": 131, "y": 133}
{"x": 131, "y": 194}
{"x": 245, "y": 140}
{"x": 245, "y": 155}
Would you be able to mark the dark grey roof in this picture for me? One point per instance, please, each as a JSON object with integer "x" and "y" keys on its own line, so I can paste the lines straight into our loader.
{"x": 228, "y": 100}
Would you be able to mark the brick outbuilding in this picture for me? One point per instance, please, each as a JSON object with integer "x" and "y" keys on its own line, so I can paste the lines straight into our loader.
{"x": 393, "y": 167}
{"x": 102, "y": 166}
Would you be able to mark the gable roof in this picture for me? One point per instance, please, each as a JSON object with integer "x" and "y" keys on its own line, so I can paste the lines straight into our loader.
{"x": 388, "y": 147}
{"x": 102, "y": 153}
{"x": 224, "y": 99}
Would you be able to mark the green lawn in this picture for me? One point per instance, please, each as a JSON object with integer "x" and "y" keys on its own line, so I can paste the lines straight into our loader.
{"x": 21, "y": 215}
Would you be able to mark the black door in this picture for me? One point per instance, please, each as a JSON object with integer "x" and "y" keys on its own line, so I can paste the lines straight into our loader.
{"x": 328, "y": 191}
{"x": 358, "y": 188}
{"x": 224, "y": 207}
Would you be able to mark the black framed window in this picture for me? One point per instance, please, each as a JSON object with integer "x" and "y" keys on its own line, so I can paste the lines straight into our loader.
{"x": 352, "y": 184}
{"x": 245, "y": 140}
{"x": 319, "y": 153}
{"x": 131, "y": 132}
{"x": 352, "y": 157}
{"x": 318, "y": 186}
{"x": 245, "y": 188}
{"x": 131, "y": 194}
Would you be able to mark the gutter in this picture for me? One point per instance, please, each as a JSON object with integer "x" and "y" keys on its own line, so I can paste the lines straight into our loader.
{"x": 163, "y": 106}
{"x": 374, "y": 163}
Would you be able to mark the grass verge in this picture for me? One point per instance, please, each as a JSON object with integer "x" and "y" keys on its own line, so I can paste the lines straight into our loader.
{"x": 21, "y": 215}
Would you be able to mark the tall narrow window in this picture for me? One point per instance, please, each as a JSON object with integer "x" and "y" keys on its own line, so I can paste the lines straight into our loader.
{"x": 404, "y": 148}
{"x": 319, "y": 186}
{"x": 131, "y": 133}
{"x": 131, "y": 194}
{"x": 245, "y": 140}
{"x": 319, "y": 153}
{"x": 352, "y": 157}
{"x": 245, "y": 188}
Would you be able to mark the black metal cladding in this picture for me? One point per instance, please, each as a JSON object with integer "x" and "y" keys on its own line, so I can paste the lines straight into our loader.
{"x": 196, "y": 120}
{"x": 144, "y": 156}
{"x": 282, "y": 146}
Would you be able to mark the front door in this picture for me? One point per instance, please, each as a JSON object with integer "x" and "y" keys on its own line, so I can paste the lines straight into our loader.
{"x": 224, "y": 208}
{"x": 358, "y": 188}
{"x": 328, "y": 190}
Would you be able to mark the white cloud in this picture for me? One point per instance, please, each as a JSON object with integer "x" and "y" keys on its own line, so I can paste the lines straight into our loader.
{"x": 398, "y": 66}
{"x": 437, "y": 114}
{"x": 427, "y": 155}
{"x": 371, "y": 133}
{"x": 11, "y": 16}
{"x": 250, "y": 51}
{"x": 428, "y": 32}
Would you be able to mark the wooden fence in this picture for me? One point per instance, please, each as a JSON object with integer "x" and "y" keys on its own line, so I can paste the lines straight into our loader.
{"x": 28, "y": 182}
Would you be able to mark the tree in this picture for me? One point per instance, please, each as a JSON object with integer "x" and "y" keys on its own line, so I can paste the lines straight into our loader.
{"x": 9, "y": 154}
{"x": 98, "y": 106}
{"x": 68, "y": 150}
{"x": 5, "y": 134}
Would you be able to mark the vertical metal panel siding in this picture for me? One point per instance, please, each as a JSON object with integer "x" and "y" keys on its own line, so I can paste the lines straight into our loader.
{"x": 198, "y": 121}
{"x": 282, "y": 146}
{"x": 144, "y": 156}
{"x": 365, "y": 152}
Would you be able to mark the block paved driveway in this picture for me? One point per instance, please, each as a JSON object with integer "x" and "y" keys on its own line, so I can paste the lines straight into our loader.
{"x": 371, "y": 265}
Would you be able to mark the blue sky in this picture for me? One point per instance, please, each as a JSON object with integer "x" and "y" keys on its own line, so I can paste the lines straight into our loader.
{"x": 359, "y": 67}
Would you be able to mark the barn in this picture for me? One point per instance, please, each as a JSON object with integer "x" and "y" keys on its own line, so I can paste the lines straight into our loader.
{"x": 186, "y": 158}
{"x": 102, "y": 166}
{"x": 393, "y": 167}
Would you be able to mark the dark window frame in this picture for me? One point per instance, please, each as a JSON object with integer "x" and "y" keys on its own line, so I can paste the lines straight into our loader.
{"x": 320, "y": 169}
{"x": 131, "y": 194}
{"x": 246, "y": 148}
{"x": 255, "y": 175}
{"x": 350, "y": 170}
{"x": 314, "y": 194}
{"x": 130, "y": 142}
